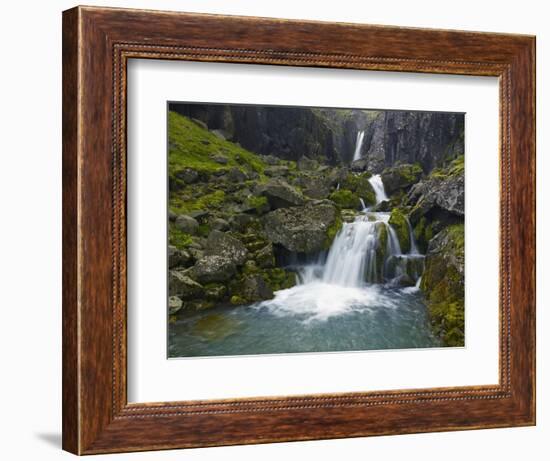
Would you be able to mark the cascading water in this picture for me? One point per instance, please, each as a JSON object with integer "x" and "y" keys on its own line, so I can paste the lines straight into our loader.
{"x": 358, "y": 145}
{"x": 353, "y": 299}
{"x": 378, "y": 186}
{"x": 364, "y": 257}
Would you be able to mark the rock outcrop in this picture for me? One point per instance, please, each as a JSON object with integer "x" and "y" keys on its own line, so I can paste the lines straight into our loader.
{"x": 443, "y": 284}
{"x": 305, "y": 229}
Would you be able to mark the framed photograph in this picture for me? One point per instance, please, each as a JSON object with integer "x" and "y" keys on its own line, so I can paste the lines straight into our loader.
{"x": 284, "y": 230}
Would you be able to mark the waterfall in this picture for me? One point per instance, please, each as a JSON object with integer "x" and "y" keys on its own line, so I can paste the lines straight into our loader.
{"x": 363, "y": 206}
{"x": 414, "y": 248}
{"x": 358, "y": 145}
{"x": 352, "y": 255}
{"x": 364, "y": 262}
{"x": 358, "y": 255}
{"x": 378, "y": 186}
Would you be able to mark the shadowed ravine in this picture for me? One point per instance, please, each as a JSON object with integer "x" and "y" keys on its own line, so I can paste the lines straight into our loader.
{"x": 351, "y": 299}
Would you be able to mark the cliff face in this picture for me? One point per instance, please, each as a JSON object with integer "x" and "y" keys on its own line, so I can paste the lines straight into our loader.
{"x": 330, "y": 135}
{"x": 428, "y": 138}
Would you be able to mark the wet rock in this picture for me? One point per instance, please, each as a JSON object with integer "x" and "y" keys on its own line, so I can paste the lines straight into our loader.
{"x": 212, "y": 269}
{"x": 187, "y": 224}
{"x": 223, "y": 245}
{"x": 304, "y": 229}
{"x": 183, "y": 286}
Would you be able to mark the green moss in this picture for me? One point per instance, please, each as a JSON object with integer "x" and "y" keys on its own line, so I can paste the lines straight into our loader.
{"x": 423, "y": 233}
{"x": 444, "y": 288}
{"x": 178, "y": 238}
{"x": 454, "y": 168}
{"x": 359, "y": 184}
{"x": 237, "y": 300}
{"x": 279, "y": 278}
{"x": 345, "y": 198}
{"x": 190, "y": 146}
{"x": 182, "y": 204}
{"x": 333, "y": 230}
{"x": 260, "y": 203}
{"x": 398, "y": 221}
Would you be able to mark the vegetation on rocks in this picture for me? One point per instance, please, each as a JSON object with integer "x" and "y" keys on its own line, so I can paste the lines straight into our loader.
{"x": 443, "y": 283}
{"x": 235, "y": 215}
{"x": 399, "y": 223}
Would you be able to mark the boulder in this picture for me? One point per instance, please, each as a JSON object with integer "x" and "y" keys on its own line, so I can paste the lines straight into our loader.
{"x": 180, "y": 284}
{"x": 303, "y": 229}
{"x": 219, "y": 158}
{"x": 236, "y": 175}
{"x": 264, "y": 257}
{"x": 280, "y": 194}
{"x": 178, "y": 258}
{"x": 255, "y": 288}
{"x": 240, "y": 222}
{"x": 219, "y": 224}
{"x": 224, "y": 245}
{"x": 215, "y": 291}
{"x": 212, "y": 269}
{"x": 276, "y": 170}
{"x": 174, "y": 304}
{"x": 187, "y": 224}
{"x": 305, "y": 164}
{"x": 446, "y": 194}
{"x": 400, "y": 177}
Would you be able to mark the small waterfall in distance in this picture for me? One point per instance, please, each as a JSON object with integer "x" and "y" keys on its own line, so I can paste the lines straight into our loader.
{"x": 358, "y": 145}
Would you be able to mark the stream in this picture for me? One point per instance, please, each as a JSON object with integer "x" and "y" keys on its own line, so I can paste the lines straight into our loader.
{"x": 351, "y": 299}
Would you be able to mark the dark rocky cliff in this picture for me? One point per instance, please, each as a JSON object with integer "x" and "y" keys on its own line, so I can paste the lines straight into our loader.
{"x": 431, "y": 139}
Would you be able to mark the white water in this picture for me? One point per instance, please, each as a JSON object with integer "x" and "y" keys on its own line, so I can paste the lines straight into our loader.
{"x": 351, "y": 278}
{"x": 358, "y": 145}
{"x": 378, "y": 186}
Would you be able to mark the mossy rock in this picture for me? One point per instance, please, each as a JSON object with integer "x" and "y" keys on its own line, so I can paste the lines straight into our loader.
{"x": 401, "y": 177}
{"x": 359, "y": 184}
{"x": 344, "y": 198}
{"x": 178, "y": 238}
{"x": 443, "y": 284}
{"x": 398, "y": 221}
{"x": 333, "y": 230}
{"x": 381, "y": 252}
{"x": 423, "y": 233}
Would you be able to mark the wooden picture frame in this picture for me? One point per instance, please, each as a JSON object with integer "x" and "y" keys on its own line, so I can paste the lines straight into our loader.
{"x": 97, "y": 43}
